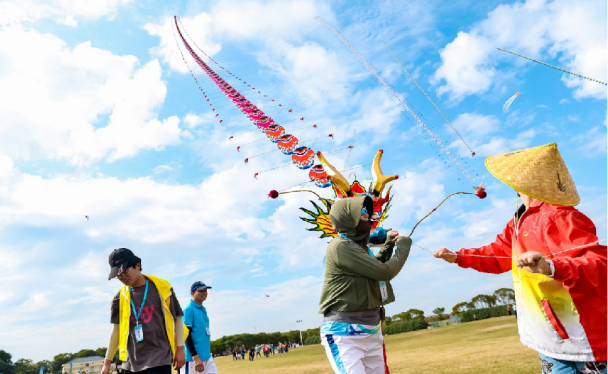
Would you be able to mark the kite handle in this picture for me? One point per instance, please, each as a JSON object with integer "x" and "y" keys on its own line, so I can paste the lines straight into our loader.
{"x": 320, "y": 198}
{"x": 431, "y": 212}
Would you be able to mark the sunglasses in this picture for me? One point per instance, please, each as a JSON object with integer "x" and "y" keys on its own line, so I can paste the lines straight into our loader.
{"x": 124, "y": 272}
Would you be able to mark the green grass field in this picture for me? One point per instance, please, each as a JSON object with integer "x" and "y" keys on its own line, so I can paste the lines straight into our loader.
{"x": 488, "y": 346}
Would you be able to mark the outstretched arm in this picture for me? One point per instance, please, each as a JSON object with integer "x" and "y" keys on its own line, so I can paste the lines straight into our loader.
{"x": 353, "y": 259}
{"x": 490, "y": 264}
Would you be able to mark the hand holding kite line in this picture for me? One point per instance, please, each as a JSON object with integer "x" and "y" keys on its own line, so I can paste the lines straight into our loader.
{"x": 445, "y": 254}
{"x": 394, "y": 235}
{"x": 534, "y": 262}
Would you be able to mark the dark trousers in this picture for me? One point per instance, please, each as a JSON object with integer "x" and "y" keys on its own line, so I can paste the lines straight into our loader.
{"x": 165, "y": 369}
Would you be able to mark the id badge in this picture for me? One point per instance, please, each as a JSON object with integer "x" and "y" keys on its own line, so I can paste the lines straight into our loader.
{"x": 383, "y": 290}
{"x": 139, "y": 333}
{"x": 208, "y": 331}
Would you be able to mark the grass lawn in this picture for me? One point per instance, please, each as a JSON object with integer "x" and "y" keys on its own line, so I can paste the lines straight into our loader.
{"x": 488, "y": 346}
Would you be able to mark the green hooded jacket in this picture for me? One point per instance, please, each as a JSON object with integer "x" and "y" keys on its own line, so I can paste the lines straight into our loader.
{"x": 351, "y": 275}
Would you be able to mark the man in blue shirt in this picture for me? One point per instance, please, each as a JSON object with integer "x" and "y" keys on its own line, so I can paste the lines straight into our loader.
{"x": 198, "y": 343}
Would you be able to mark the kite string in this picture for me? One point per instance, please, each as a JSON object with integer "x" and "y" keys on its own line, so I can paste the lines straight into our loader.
{"x": 351, "y": 149}
{"x": 551, "y": 254}
{"x": 320, "y": 198}
{"x": 378, "y": 77}
{"x": 554, "y": 67}
{"x": 432, "y": 102}
{"x": 431, "y": 212}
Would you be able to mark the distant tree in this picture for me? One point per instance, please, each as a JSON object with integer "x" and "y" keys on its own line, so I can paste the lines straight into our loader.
{"x": 25, "y": 366}
{"x": 408, "y": 316}
{"x": 6, "y": 363}
{"x": 85, "y": 353}
{"x": 59, "y": 360}
{"x": 505, "y": 296}
{"x": 47, "y": 366}
{"x": 470, "y": 305}
{"x": 459, "y": 308}
{"x": 101, "y": 351}
{"x": 484, "y": 301}
{"x": 388, "y": 321}
{"x": 438, "y": 311}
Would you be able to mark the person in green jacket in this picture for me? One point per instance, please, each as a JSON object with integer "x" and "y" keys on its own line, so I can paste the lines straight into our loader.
{"x": 355, "y": 288}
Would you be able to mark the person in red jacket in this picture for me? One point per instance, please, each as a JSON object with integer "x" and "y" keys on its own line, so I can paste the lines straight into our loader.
{"x": 558, "y": 265}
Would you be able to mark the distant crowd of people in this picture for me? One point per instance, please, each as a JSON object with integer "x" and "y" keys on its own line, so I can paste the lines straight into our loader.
{"x": 259, "y": 349}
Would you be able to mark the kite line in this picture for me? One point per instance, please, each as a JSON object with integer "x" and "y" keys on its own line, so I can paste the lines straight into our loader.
{"x": 510, "y": 258}
{"x": 432, "y": 102}
{"x": 554, "y": 67}
{"x": 444, "y": 149}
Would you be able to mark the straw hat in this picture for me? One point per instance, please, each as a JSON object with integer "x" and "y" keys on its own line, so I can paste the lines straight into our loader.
{"x": 539, "y": 172}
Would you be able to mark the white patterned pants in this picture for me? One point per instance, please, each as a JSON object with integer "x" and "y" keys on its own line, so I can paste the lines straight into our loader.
{"x": 355, "y": 354}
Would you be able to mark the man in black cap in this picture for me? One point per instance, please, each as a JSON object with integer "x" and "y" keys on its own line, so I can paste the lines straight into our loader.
{"x": 147, "y": 318}
{"x": 198, "y": 344}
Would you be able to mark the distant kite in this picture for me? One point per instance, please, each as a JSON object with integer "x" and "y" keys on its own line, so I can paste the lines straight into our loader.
{"x": 507, "y": 105}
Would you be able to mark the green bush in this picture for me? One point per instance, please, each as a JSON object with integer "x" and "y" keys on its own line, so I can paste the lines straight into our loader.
{"x": 485, "y": 313}
{"x": 312, "y": 340}
{"x": 413, "y": 325}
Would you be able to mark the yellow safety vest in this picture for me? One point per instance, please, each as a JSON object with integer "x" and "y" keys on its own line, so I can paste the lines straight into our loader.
{"x": 164, "y": 290}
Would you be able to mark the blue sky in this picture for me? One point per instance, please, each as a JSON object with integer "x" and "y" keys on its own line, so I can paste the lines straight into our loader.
{"x": 100, "y": 117}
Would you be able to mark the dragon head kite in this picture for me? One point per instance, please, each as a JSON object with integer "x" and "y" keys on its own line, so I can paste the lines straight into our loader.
{"x": 325, "y": 174}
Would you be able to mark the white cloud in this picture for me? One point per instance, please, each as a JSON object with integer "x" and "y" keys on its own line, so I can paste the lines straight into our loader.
{"x": 61, "y": 11}
{"x": 236, "y": 20}
{"x": 465, "y": 66}
{"x": 593, "y": 142}
{"x": 501, "y": 144}
{"x": 198, "y": 28}
{"x": 61, "y": 98}
{"x": 476, "y": 125}
{"x": 540, "y": 29}
{"x": 318, "y": 75}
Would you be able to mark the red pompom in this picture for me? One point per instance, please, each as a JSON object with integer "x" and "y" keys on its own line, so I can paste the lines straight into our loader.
{"x": 273, "y": 194}
{"x": 481, "y": 193}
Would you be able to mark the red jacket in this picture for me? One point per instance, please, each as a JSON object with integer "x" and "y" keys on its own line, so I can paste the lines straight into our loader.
{"x": 563, "y": 317}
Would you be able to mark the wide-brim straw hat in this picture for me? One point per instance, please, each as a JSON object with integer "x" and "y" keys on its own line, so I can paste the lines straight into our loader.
{"x": 539, "y": 172}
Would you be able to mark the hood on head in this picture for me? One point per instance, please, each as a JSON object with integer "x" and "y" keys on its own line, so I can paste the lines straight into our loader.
{"x": 346, "y": 213}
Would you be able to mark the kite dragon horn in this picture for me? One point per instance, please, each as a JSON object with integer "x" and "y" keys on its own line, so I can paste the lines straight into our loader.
{"x": 335, "y": 176}
{"x": 380, "y": 180}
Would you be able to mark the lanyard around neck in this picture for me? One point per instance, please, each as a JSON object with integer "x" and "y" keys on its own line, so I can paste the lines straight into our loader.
{"x": 141, "y": 307}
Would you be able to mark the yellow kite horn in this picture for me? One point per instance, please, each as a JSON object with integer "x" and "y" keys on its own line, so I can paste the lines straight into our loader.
{"x": 380, "y": 180}
{"x": 334, "y": 175}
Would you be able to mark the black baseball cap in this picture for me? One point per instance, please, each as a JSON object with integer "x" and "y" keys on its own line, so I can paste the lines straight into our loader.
{"x": 120, "y": 259}
{"x": 198, "y": 285}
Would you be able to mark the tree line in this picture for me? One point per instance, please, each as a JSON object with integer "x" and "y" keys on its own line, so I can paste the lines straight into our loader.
{"x": 502, "y": 296}
{"x": 27, "y": 366}
{"x": 235, "y": 342}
